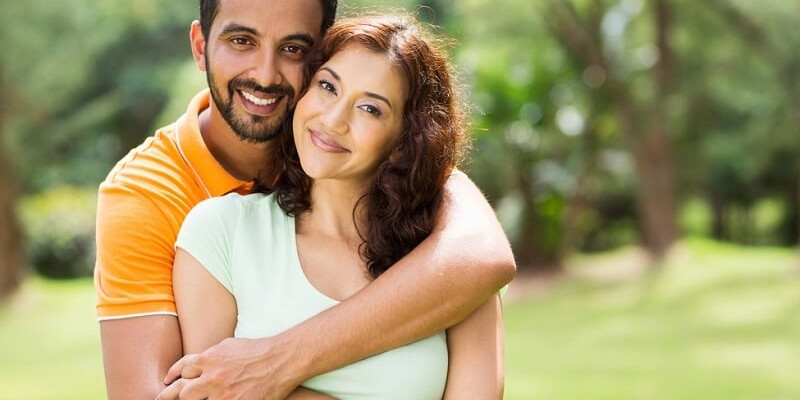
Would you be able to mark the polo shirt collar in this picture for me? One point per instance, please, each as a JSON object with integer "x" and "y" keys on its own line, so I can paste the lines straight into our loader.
{"x": 190, "y": 142}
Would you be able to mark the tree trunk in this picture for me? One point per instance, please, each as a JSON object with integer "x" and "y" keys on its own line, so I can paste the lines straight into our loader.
{"x": 643, "y": 122}
{"x": 11, "y": 261}
{"x": 651, "y": 146}
{"x": 12, "y": 256}
{"x": 653, "y": 160}
{"x": 535, "y": 250}
{"x": 719, "y": 225}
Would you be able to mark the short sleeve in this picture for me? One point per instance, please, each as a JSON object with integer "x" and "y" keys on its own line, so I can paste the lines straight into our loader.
{"x": 133, "y": 270}
{"x": 207, "y": 235}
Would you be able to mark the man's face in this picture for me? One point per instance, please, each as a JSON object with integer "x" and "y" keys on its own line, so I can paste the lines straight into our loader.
{"x": 254, "y": 59}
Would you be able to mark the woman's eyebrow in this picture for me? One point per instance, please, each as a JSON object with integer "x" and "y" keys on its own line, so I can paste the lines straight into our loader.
{"x": 368, "y": 94}
{"x": 332, "y": 72}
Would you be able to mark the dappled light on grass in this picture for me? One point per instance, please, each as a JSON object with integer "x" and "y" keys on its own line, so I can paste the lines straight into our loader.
{"x": 50, "y": 343}
{"x": 717, "y": 322}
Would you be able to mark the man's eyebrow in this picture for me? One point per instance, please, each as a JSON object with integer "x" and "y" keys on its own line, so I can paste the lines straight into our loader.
{"x": 234, "y": 28}
{"x": 237, "y": 28}
{"x": 303, "y": 37}
{"x": 368, "y": 94}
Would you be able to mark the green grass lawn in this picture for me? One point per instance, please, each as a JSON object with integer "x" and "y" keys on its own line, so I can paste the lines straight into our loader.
{"x": 718, "y": 322}
{"x": 50, "y": 343}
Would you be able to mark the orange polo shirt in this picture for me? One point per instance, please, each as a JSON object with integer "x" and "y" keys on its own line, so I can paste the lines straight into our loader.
{"x": 140, "y": 208}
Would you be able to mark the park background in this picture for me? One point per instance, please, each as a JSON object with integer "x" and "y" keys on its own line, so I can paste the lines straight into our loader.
{"x": 641, "y": 154}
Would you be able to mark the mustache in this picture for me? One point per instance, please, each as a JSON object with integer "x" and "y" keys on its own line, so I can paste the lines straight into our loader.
{"x": 280, "y": 90}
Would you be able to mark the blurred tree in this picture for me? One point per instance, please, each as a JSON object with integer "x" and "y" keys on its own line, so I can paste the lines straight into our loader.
{"x": 769, "y": 30}
{"x": 12, "y": 260}
{"x": 518, "y": 151}
{"x": 89, "y": 80}
{"x": 593, "y": 34}
{"x": 82, "y": 82}
{"x": 595, "y": 119}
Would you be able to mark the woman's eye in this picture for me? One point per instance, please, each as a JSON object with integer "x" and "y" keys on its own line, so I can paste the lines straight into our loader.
{"x": 371, "y": 109}
{"x": 327, "y": 86}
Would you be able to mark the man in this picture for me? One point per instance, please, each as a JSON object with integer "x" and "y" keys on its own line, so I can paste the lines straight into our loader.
{"x": 253, "y": 53}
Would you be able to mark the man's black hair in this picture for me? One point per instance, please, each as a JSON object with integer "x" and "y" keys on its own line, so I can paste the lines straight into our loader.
{"x": 208, "y": 11}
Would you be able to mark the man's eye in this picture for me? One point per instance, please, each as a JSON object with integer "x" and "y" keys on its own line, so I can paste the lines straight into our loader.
{"x": 327, "y": 86}
{"x": 240, "y": 41}
{"x": 294, "y": 49}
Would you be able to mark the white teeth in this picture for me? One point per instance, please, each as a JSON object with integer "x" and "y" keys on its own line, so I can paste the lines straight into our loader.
{"x": 258, "y": 101}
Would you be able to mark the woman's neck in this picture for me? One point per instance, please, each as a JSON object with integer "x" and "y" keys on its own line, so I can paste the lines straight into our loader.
{"x": 331, "y": 213}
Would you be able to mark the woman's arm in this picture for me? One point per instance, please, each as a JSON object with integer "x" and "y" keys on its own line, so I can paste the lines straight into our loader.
{"x": 475, "y": 348}
{"x": 206, "y": 310}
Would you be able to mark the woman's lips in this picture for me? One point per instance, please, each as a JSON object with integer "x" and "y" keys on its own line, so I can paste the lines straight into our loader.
{"x": 325, "y": 143}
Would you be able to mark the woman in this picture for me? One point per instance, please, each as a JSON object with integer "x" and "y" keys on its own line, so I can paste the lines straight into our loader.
{"x": 376, "y": 136}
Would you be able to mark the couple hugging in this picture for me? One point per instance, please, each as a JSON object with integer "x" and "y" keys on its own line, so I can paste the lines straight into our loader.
{"x": 302, "y": 231}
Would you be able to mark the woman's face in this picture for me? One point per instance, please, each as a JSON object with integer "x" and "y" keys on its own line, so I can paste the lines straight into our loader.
{"x": 351, "y": 116}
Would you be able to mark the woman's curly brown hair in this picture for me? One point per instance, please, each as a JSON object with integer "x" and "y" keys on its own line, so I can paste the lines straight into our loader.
{"x": 401, "y": 204}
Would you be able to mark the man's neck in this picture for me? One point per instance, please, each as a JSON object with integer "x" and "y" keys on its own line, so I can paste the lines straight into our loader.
{"x": 245, "y": 161}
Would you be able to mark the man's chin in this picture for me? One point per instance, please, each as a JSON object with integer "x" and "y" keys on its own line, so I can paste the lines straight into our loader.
{"x": 254, "y": 134}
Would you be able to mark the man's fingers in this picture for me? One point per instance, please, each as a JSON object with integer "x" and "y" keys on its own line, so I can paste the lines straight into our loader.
{"x": 175, "y": 371}
{"x": 172, "y": 391}
{"x": 183, "y": 389}
{"x": 186, "y": 367}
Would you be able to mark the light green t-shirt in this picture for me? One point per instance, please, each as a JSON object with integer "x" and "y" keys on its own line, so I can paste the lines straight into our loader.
{"x": 248, "y": 244}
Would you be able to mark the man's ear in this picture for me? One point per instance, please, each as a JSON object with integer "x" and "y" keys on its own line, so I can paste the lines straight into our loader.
{"x": 198, "y": 42}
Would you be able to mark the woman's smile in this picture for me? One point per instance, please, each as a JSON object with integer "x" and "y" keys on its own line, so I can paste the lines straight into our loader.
{"x": 325, "y": 143}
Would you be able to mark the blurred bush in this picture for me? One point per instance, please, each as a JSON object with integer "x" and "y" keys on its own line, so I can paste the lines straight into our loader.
{"x": 59, "y": 224}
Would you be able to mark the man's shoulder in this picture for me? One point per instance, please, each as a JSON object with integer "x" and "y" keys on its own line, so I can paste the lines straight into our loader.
{"x": 154, "y": 167}
{"x": 157, "y": 150}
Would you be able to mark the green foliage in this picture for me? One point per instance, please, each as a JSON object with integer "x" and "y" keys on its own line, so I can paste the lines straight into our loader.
{"x": 60, "y": 227}
{"x": 84, "y": 82}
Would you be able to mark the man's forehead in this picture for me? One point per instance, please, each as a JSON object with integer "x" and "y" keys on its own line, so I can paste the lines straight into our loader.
{"x": 279, "y": 17}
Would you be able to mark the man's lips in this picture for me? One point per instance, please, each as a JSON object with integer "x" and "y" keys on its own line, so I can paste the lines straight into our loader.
{"x": 257, "y": 104}
{"x": 259, "y": 101}
{"x": 325, "y": 142}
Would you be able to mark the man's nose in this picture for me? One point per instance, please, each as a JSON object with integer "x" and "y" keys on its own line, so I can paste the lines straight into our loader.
{"x": 267, "y": 71}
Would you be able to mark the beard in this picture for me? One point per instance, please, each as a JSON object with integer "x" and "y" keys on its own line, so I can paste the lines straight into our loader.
{"x": 248, "y": 127}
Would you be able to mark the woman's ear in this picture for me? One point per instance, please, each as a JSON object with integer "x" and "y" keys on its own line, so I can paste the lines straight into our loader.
{"x": 198, "y": 42}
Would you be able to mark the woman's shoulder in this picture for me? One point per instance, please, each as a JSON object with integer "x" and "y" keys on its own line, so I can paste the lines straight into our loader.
{"x": 236, "y": 201}
{"x": 247, "y": 207}
{"x": 235, "y": 212}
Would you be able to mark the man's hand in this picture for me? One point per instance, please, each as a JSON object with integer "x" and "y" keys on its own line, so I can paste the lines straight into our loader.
{"x": 235, "y": 369}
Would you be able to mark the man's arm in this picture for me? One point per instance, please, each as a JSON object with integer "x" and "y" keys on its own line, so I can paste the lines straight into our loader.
{"x": 137, "y": 352}
{"x": 133, "y": 280}
{"x": 464, "y": 261}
